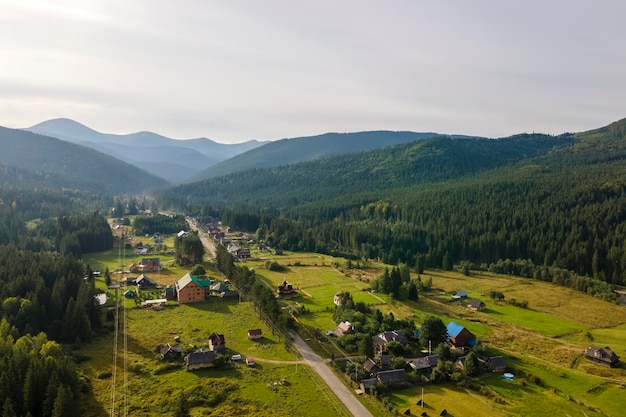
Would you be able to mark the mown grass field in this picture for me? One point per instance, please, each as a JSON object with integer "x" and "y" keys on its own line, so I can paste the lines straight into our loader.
{"x": 276, "y": 386}
{"x": 546, "y": 340}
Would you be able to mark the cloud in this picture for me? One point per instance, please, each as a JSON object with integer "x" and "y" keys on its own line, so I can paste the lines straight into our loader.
{"x": 234, "y": 71}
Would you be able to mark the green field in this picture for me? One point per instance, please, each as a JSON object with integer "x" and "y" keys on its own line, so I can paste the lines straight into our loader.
{"x": 276, "y": 386}
{"x": 546, "y": 340}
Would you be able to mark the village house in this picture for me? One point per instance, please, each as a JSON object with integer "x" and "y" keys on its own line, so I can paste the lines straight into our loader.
{"x": 393, "y": 377}
{"x": 343, "y": 328}
{"x": 190, "y": 289}
{"x": 425, "y": 364}
{"x": 381, "y": 340}
{"x": 149, "y": 265}
{"x": 602, "y": 356}
{"x": 144, "y": 283}
{"x": 169, "y": 352}
{"x": 497, "y": 364}
{"x": 199, "y": 359}
{"x": 371, "y": 367}
{"x": 229, "y": 295}
{"x": 218, "y": 287}
{"x": 217, "y": 343}
{"x": 476, "y": 305}
{"x": 457, "y": 295}
{"x": 459, "y": 336}
{"x": 367, "y": 384}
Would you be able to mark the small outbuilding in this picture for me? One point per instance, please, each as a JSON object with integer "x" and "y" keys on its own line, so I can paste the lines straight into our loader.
{"x": 255, "y": 334}
{"x": 476, "y": 305}
{"x": 497, "y": 364}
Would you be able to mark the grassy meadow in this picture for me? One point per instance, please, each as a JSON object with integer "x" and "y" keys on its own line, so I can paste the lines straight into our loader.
{"x": 543, "y": 342}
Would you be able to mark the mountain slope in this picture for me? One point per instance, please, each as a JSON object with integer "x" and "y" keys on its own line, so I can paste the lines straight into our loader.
{"x": 291, "y": 151}
{"x": 420, "y": 162}
{"x": 183, "y": 158}
{"x": 70, "y": 165}
{"x": 542, "y": 207}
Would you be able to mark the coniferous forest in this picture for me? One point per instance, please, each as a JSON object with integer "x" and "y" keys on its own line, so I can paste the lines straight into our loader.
{"x": 552, "y": 208}
{"x": 47, "y": 296}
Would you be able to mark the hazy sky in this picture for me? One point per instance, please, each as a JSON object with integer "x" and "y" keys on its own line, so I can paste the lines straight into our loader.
{"x": 269, "y": 69}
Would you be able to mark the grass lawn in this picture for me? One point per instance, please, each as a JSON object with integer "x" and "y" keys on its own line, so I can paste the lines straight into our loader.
{"x": 455, "y": 400}
{"x": 525, "y": 399}
{"x": 268, "y": 389}
{"x": 545, "y": 340}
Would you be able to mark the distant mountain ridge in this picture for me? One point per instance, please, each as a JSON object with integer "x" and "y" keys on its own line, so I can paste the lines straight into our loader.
{"x": 309, "y": 148}
{"x": 30, "y": 159}
{"x": 171, "y": 159}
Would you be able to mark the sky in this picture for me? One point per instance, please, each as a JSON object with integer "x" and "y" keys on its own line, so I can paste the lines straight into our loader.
{"x": 239, "y": 70}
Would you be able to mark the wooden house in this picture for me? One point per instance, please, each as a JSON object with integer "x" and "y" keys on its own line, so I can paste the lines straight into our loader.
{"x": 425, "y": 364}
{"x": 150, "y": 265}
{"x": 371, "y": 367}
{"x": 199, "y": 359}
{"x": 169, "y": 352}
{"x": 143, "y": 282}
{"x": 476, "y": 305}
{"x": 217, "y": 343}
{"x": 380, "y": 340}
{"x": 459, "y": 336}
{"x": 497, "y": 364}
{"x": 457, "y": 295}
{"x": 602, "y": 356}
{"x": 393, "y": 377}
{"x": 343, "y": 328}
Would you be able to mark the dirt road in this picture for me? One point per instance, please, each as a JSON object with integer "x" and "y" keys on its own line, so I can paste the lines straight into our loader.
{"x": 320, "y": 366}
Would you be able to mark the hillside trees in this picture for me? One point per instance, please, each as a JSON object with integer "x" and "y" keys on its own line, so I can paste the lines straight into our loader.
{"x": 555, "y": 202}
{"x": 189, "y": 249}
{"x": 433, "y": 332}
{"x": 37, "y": 378}
{"x": 45, "y": 292}
{"x": 158, "y": 223}
{"x": 260, "y": 295}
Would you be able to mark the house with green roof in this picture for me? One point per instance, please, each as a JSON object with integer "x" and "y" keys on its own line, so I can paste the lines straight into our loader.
{"x": 191, "y": 289}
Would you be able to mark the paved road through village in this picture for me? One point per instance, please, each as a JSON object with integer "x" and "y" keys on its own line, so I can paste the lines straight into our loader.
{"x": 309, "y": 357}
{"x": 318, "y": 364}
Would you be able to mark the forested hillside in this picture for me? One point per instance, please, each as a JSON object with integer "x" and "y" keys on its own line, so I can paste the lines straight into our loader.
{"x": 294, "y": 150}
{"x": 558, "y": 203}
{"x": 421, "y": 162}
{"x": 30, "y": 160}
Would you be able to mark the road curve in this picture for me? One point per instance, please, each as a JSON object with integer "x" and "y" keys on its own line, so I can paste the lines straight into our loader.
{"x": 341, "y": 391}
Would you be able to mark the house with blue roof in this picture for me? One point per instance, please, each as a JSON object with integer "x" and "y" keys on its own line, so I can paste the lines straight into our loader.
{"x": 459, "y": 336}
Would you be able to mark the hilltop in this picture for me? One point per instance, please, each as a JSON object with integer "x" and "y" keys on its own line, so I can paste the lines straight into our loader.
{"x": 171, "y": 159}
{"x": 31, "y": 159}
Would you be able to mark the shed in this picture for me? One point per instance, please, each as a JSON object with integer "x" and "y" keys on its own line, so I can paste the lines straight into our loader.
{"x": 255, "y": 334}
{"x": 497, "y": 364}
{"x": 476, "y": 305}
